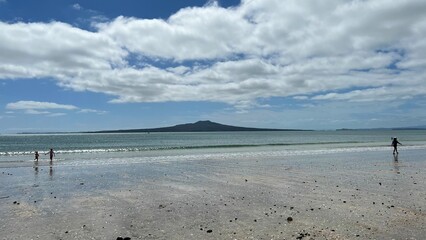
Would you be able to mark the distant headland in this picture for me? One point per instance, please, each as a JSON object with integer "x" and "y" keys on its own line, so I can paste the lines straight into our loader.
{"x": 200, "y": 126}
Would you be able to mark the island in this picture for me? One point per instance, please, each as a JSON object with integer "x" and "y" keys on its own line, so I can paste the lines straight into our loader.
{"x": 200, "y": 126}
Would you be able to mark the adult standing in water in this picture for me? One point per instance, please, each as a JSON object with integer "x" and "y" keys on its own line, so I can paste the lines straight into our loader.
{"x": 395, "y": 145}
{"x": 51, "y": 154}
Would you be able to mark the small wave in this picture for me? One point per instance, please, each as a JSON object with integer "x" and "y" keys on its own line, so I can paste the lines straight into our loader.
{"x": 160, "y": 148}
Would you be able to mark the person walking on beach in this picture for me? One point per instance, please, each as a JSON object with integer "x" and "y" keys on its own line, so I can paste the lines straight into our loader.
{"x": 395, "y": 144}
{"x": 51, "y": 154}
{"x": 36, "y": 155}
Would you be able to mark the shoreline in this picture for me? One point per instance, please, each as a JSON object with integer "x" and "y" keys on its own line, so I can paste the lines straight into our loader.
{"x": 361, "y": 195}
{"x": 183, "y": 154}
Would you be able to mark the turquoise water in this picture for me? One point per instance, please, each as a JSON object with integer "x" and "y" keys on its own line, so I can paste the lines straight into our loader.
{"x": 155, "y": 146}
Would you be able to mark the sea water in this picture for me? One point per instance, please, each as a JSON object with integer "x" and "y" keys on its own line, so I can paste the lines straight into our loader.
{"x": 122, "y": 148}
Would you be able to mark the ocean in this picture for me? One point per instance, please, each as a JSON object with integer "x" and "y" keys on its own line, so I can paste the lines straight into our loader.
{"x": 77, "y": 149}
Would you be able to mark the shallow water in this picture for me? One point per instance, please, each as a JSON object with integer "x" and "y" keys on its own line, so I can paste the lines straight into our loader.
{"x": 342, "y": 194}
{"x": 75, "y": 149}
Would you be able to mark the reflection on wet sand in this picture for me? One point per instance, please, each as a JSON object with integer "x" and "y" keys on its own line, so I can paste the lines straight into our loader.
{"x": 329, "y": 196}
{"x": 35, "y": 167}
{"x": 51, "y": 170}
{"x": 396, "y": 163}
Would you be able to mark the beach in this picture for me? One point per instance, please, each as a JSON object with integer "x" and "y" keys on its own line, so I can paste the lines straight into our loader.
{"x": 333, "y": 195}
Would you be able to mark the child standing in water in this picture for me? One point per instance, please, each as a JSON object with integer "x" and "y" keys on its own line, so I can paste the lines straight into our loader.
{"x": 395, "y": 144}
{"x": 36, "y": 155}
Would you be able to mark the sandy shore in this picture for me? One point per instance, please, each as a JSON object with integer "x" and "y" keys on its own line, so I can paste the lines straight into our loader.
{"x": 362, "y": 195}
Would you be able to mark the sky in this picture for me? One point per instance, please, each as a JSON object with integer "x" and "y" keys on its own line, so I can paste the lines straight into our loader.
{"x": 297, "y": 64}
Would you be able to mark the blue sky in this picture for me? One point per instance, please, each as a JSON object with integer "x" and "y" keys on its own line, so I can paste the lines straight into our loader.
{"x": 96, "y": 65}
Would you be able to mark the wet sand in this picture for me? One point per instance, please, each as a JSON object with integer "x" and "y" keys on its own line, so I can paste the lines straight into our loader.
{"x": 361, "y": 195}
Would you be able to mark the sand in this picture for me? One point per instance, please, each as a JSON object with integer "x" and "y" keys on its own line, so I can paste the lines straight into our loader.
{"x": 358, "y": 195}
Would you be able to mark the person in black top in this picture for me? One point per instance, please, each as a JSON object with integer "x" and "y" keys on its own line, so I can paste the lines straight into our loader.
{"x": 395, "y": 144}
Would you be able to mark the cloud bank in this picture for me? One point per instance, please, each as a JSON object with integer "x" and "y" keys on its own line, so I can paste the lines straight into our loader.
{"x": 326, "y": 51}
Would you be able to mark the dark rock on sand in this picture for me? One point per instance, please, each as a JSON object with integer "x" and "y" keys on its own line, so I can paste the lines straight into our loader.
{"x": 302, "y": 235}
{"x": 289, "y": 219}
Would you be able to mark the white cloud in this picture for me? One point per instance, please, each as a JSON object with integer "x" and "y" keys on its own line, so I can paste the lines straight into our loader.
{"x": 46, "y": 108}
{"x": 369, "y": 50}
{"x": 32, "y": 105}
{"x": 92, "y": 111}
{"x": 58, "y": 50}
{"x": 76, "y": 6}
{"x": 36, "y": 112}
